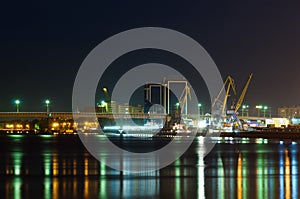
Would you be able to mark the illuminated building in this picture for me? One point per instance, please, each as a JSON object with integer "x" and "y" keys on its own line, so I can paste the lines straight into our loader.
{"x": 289, "y": 112}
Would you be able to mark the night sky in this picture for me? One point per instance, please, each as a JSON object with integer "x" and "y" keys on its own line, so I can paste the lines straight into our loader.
{"x": 44, "y": 44}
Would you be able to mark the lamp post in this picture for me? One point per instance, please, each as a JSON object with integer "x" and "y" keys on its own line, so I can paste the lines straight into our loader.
{"x": 200, "y": 109}
{"x": 47, "y": 102}
{"x": 177, "y": 107}
{"x": 245, "y": 108}
{"x": 265, "y": 108}
{"x": 259, "y": 107}
{"x": 17, "y": 103}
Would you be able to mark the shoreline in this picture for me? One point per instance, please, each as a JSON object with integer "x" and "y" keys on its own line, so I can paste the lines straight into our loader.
{"x": 243, "y": 134}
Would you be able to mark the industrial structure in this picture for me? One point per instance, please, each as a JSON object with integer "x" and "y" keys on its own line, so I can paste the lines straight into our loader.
{"x": 289, "y": 111}
{"x": 231, "y": 114}
{"x": 161, "y": 107}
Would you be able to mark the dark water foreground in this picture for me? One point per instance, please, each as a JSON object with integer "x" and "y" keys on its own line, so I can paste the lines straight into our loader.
{"x": 60, "y": 167}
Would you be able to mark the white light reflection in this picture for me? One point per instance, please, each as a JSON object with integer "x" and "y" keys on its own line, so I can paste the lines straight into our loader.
{"x": 200, "y": 171}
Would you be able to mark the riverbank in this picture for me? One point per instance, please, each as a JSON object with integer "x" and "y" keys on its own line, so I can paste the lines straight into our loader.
{"x": 260, "y": 134}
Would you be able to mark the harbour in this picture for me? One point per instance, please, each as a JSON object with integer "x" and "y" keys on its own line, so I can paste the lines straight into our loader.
{"x": 150, "y": 100}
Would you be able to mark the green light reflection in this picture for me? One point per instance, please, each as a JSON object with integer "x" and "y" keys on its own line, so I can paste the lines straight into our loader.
{"x": 244, "y": 176}
{"x": 103, "y": 185}
{"x": 46, "y": 136}
{"x": 177, "y": 177}
{"x": 47, "y": 188}
{"x": 17, "y": 183}
{"x": 221, "y": 177}
{"x": 17, "y": 159}
{"x": 47, "y": 164}
{"x": 259, "y": 176}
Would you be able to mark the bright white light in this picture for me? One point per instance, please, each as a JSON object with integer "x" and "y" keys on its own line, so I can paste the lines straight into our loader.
{"x": 111, "y": 127}
{"x": 202, "y": 124}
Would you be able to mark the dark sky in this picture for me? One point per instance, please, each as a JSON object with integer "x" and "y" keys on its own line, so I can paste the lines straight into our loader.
{"x": 43, "y": 44}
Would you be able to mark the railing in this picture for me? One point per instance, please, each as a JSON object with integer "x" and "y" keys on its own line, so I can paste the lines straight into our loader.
{"x": 99, "y": 115}
{"x": 70, "y": 115}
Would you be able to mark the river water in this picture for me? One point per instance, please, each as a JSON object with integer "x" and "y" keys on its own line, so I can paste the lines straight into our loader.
{"x": 48, "y": 166}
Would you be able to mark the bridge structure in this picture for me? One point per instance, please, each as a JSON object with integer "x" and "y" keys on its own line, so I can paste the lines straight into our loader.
{"x": 12, "y": 122}
{"x": 69, "y": 115}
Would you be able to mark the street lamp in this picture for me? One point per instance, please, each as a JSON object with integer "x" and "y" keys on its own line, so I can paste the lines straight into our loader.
{"x": 245, "y": 107}
{"x": 17, "y": 103}
{"x": 265, "y": 108}
{"x": 104, "y": 90}
{"x": 199, "y": 108}
{"x": 259, "y": 107}
{"x": 177, "y": 107}
{"x": 47, "y": 102}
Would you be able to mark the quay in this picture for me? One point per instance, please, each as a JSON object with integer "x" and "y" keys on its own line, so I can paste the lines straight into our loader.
{"x": 63, "y": 123}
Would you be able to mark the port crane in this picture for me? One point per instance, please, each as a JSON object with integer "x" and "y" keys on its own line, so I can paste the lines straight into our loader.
{"x": 228, "y": 86}
{"x": 241, "y": 99}
{"x": 233, "y": 111}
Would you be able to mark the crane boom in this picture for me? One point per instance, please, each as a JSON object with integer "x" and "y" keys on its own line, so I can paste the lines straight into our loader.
{"x": 230, "y": 84}
{"x": 241, "y": 99}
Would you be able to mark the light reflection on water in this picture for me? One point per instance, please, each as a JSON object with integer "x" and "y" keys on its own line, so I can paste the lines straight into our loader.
{"x": 60, "y": 167}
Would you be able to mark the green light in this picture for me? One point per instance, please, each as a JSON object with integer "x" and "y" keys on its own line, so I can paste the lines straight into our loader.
{"x": 47, "y": 164}
{"x": 265, "y": 107}
{"x": 36, "y": 126}
{"x": 17, "y": 160}
{"x": 47, "y": 101}
{"x": 17, "y": 182}
{"x": 47, "y": 188}
{"x": 103, "y": 103}
{"x": 17, "y": 101}
{"x": 15, "y": 136}
{"x": 199, "y": 105}
{"x": 46, "y": 136}
{"x": 177, "y": 104}
{"x": 177, "y": 179}
{"x": 244, "y": 106}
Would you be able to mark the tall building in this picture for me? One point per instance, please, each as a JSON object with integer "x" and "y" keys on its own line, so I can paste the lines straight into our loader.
{"x": 163, "y": 95}
{"x": 154, "y": 94}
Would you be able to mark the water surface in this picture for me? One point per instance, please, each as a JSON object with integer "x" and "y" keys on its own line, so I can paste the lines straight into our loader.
{"x": 60, "y": 167}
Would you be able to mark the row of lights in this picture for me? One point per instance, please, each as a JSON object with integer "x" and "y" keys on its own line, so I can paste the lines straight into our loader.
{"x": 261, "y": 107}
{"x": 17, "y": 102}
{"x": 199, "y": 107}
{"x": 103, "y": 103}
{"x": 244, "y": 107}
{"x": 258, "y": 107}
